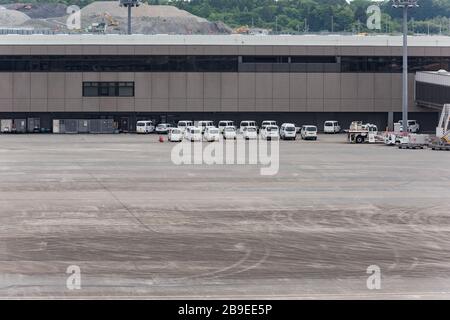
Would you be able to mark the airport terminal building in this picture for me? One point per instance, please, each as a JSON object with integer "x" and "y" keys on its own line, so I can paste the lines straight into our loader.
{"x": 301, "y": 79}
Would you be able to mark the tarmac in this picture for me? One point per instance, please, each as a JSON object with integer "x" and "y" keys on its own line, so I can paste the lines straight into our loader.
{"x": 138, "y": 226}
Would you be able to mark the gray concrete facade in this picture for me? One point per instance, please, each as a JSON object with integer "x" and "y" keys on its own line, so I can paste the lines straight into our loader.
{"x": 210, "y": 91}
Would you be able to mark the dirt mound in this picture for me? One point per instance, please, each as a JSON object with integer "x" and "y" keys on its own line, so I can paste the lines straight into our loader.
{"x": 12, "y": 18}
{"x": 39, "y": 10}
{"x": 144, "y": 10}
{"x": 147, "y": 19}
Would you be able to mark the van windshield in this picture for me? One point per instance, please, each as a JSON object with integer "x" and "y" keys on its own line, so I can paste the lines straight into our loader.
{"x": 311, "y": 129}
{"x": 328, "y": 124}
{"x": 181, "y": 124}
{"x": 141, "y": 124}
{"x": 289, "y": 129}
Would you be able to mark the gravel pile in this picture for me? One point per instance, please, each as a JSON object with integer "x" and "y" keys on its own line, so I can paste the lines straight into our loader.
{"x": 12, "y": 18}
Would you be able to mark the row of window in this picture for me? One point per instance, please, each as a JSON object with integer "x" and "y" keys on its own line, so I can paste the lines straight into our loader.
{"x": 108, "y": 89}
{"x": 218, "y": 64}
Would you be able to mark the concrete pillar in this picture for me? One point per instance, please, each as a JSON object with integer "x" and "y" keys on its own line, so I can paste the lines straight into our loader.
{"x": 391, "y": 121}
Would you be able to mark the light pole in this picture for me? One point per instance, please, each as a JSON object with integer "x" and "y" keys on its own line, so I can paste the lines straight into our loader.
{"x": 129, "y": 4}
{"x": 405, "y": 5}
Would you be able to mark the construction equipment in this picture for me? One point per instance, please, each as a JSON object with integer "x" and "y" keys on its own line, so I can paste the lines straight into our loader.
{"x": 242, "y": 30}
{"x": 359, "y": 132}
{"x": 110, "y": 20}
{"x": 442, "y": 131}
{"x": 97, "y": 27}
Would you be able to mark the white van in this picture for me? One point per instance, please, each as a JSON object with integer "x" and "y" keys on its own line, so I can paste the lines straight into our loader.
{"x": 267, "y": 123}
{"x": 183, "y": 124}
{"x": 331, "y": 126}
{"x": 288, "y": 131}
{"x": 145, "y": 126}
{"x": 246, "y": 124}
{"x": 229, "y": 133}
{"x": 211, "y": 134}
{"x": 270, "y": 133}
{"x": 413, "y": 126}
{"x": 225, "y": 123}
{"x": 309, "y": 132}
{"x": 249, "y": 133}
{"x": 193, "y": 134}
{"x": 175, "y": 135}
{"x": 203, "y": 124}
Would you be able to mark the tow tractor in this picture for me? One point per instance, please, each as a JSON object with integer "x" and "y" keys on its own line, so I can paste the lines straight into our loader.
{"x": 359, "y": 132}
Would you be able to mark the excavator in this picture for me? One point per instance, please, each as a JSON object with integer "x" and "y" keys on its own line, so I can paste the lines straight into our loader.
{"x": 110, "y": 20}
{"x": 443, "y": 131}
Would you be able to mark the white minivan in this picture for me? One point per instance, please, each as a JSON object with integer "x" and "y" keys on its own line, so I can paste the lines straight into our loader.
{"x": 288, "y": 131}
{"x": 175, "y": 135}
{"x": 229, "y": 133}
{"x": 211, "y": 134}
{"x": 249, "y": 133}
{"x": 270, "y": 133}
{"x": 225, "y": 123}
{"x": 204, "y": 124}
{"x": 183, "y": 124}
{"x": 413, "y": 126}
{"x": 193, "y": 134}
{"x": 309, "y": 132}
{"x": 145, "y": 126}
{"x": 246, "y": 124}
{"x": 331, "y": 126}
{"x": 267, "y": 123}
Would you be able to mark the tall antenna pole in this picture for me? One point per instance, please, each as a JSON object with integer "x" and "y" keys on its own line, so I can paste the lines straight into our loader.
{"x": 129, "y": 4}
{"x": 405, "y": 5}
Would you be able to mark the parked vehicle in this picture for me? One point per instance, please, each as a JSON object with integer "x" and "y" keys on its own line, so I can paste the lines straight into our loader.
{"x": 270, "y": 132}
{"x": 359, "y": 132}
{"x": 288, "y": 131}
{"x": 331, "y": 126}
{"x": 183, "y": 124}
{"x": 309, "y": 132}
{"x": 204, "y": 124}
{"x": 175, "y": 135}
{"x": 267, "y": 123}
{"x": 145, "y": 126}
{"x": 211, "y": 134}
{"x": 193, "y": 134}
{"x": 163, "y": 128}
{"x": 225, "y": 123}
{"x": 249, "y": 133}
{"x": 229, "y": 133}
{"x": 413, "y": 126}
{"x": 247, "y": 123}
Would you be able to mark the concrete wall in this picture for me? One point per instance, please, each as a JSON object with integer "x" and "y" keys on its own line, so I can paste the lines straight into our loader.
{"x": 207, "y": 92}
{"x": 210, "y": 92}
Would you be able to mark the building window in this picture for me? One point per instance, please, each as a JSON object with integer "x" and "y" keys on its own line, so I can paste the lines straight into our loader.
{"x": 108, "y": 89}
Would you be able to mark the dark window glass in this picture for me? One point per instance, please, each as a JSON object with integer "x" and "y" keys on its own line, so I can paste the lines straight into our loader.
{"x": 314, "y": 59}
{"x": 108, "y": 89}
{"x": 265, "y": 59}
{"x": 107, "y": 63}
